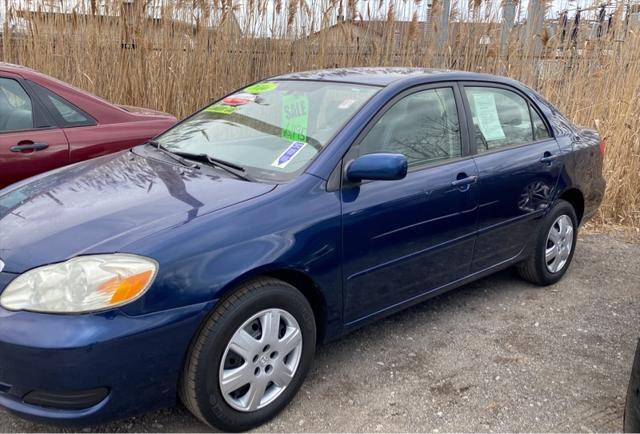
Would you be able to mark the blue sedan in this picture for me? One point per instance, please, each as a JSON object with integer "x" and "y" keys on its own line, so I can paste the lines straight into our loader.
{"x": 207, "y": 264}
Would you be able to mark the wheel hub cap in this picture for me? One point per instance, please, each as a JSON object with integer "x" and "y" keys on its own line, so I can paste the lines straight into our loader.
{"x": 260, "y": 360}
{"x": 559, "y": 244}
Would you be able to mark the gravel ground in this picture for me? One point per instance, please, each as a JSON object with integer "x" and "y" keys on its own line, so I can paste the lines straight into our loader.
{"x": 496, "y": 355}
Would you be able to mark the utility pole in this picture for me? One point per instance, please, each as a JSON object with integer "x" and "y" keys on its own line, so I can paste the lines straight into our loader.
{"x": 508, "y": 18}
{"x": 5, "y": 32}
{"x": 443, "y": 33}
{"x": 535, "y": 25}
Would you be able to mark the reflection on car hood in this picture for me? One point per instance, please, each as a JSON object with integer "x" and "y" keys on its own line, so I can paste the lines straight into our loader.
{"x": 104, "y": 204}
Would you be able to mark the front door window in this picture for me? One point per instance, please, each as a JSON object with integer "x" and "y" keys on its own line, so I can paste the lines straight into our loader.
{"x": 16, "y": 111}
{"x": 422, "y": 126}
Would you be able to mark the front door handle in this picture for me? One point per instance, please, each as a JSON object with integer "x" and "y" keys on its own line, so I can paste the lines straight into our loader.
{"x": 464, "y": 181}
{"x": 29, "y": 147}
{"x": 548, "y": 157}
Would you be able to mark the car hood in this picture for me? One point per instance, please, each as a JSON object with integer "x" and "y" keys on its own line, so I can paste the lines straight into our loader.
{"x": 104, "y": 204}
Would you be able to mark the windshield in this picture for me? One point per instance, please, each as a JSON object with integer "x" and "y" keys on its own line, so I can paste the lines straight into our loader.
{"x": 272, "y": 129}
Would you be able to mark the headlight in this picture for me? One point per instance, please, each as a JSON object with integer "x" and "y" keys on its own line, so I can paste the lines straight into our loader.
{"x": 81, "y": 284}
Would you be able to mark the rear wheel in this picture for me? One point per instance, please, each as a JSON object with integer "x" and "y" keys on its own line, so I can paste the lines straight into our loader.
{"x": 554, "y": 246}
{"x": 251, "y": 356}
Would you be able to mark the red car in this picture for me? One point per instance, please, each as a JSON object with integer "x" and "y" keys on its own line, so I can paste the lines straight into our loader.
{"x": 45, "y": 124}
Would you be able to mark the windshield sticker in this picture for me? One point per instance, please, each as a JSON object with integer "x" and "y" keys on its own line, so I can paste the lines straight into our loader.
{"x": 295, "y": 117}
{"x": 239, "y": 99}
{"x": 285, "y": 158}
{"x": 222, "y": 109}
{"x": 346, "y": 104}
{"x": 487, "y": 114}
{"x": 258, "y": 88}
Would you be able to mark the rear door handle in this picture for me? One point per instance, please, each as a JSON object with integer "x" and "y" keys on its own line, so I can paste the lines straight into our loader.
{"x": 29, "y": 147}
{"x": 464, "y": 181}
{"x": 548, "y": 157}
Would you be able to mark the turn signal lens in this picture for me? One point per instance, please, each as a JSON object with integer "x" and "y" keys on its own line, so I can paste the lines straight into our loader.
{"x": 121, "y": 290}
{"x": 82, "y": 284}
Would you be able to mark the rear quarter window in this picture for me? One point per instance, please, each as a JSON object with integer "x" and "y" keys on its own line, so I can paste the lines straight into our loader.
{"x": 64, "y": 112}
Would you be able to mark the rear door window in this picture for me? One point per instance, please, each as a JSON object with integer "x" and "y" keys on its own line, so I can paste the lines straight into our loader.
{"x": 502, "y": 118}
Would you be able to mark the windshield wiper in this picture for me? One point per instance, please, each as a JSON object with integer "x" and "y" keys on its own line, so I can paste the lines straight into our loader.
{"x": 184, "y": 157}
{"x": 234, "y": 169}
{"x": 174, "y": 155}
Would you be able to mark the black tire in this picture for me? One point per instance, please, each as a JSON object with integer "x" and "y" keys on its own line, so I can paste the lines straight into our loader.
{"x": 631, "y": 421}
{"x": 534, "y": 268}
{"x": 200, "y": 389}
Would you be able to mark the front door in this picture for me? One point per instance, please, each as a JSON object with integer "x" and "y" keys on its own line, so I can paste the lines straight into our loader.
{"x": 405, "y": 238}
{"x": 27, "y": 144}
{"x": 518, "y": 171}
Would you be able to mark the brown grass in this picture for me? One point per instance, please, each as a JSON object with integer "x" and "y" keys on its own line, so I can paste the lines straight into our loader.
{"x": 179, "y": 65}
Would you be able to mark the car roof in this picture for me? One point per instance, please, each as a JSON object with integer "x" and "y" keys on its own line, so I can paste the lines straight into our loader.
{"x": 384, "y": 76}
{"x": 17, "y": 69}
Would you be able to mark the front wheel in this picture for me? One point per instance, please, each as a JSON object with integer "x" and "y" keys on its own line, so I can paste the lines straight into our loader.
{"x": 554, "y": 246}
{"x": 250, "y": 357}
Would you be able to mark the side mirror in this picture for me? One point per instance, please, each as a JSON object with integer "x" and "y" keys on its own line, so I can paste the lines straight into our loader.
{"x": 383, "y": 167}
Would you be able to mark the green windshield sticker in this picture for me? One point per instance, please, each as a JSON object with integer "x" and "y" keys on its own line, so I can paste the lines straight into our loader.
{"x": 261, "y": 87}
{"x": 295, "y": 117}
{"x": 223, "y": 109}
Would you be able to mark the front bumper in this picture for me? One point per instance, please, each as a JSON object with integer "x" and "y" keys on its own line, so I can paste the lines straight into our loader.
{"x": 137, "y": 359}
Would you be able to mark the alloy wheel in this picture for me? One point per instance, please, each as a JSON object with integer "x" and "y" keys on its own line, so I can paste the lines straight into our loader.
{"x": 559, "y": 244}
{"x": 260, "y": 360}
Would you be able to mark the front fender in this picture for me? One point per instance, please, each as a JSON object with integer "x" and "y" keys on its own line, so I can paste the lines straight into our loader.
{"x": 296, "y": 229}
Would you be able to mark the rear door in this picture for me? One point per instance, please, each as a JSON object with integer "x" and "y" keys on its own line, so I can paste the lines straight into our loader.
{"x": 29, "y": 144}
{"x": 518, "y": 169}
{"x": 405, "y": 238}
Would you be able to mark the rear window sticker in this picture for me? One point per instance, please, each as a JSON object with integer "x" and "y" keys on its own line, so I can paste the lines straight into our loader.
{"x": 487, "y": 114}
{"x": 285, "y": 158}
{"x": 258, "y": 88}
{"x": 295, "y": 117}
